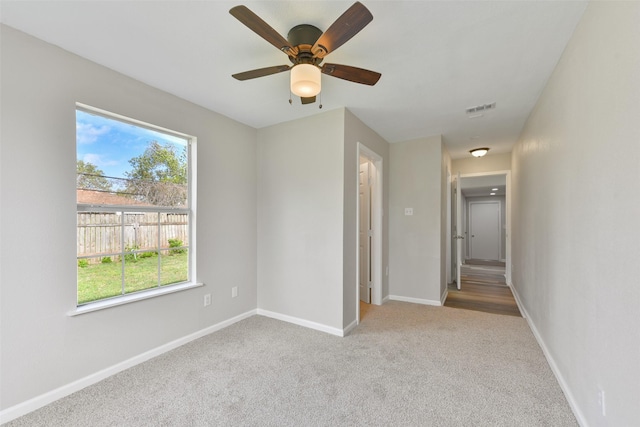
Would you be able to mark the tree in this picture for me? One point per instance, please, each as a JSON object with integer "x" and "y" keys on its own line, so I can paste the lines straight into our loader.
{"x": 159, "y": 175}
{"x": 89, "y": 177}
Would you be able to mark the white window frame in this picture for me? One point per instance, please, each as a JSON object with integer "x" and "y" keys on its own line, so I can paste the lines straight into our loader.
{"x": 190, "y": 210}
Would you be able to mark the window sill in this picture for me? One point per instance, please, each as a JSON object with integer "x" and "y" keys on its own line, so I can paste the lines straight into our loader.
{"x": 126, "y": 299}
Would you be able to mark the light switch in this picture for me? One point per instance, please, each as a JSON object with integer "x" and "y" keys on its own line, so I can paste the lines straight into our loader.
{"x": 408, "y": 211}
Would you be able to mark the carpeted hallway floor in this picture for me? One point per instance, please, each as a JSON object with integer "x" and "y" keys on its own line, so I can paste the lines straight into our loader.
{"x": 404, "y": 365}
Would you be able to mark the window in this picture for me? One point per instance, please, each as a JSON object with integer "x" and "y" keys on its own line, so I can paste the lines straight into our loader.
{"x": 134, "y": 213}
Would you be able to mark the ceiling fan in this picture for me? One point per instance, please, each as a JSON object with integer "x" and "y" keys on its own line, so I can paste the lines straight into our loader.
{"x": 306, "y": 46}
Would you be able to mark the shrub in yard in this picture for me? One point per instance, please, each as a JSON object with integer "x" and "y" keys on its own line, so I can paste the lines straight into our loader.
{"x": 82, "y": 263}
{"x": 106, "y": 260}
{"x": 175, "y": 243}
{"x": 147, "y": 254}
{"x": 131, "y": 256}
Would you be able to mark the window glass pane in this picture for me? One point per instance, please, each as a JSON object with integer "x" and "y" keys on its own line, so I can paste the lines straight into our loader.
{"x": 140, "y": 271}
{"x": 119, "y": 163}
{"x": 99, "y": 233}
{"x": 174, "y": 266}
{"x": 140, "y": 231}
{"x": 174, "y": 230}
{"x": 99, "y": 278}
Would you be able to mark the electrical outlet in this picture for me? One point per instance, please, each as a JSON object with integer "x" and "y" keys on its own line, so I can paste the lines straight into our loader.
{"x": 408, "y": 211}
{"x": 601, "y": 402}
{"x": 207, "y": 300}
{"x": 234, "y": 292}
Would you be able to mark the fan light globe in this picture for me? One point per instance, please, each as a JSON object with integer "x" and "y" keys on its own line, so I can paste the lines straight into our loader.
{"x": 305, "y": 80}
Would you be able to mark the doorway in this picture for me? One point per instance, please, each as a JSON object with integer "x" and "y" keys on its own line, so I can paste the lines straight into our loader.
{"x": 369, "y": 218}
{"x": 473, "y": 191}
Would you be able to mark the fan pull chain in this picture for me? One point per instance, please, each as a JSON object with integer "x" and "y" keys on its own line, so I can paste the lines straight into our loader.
{"x": 290, "y": 100}
{"x": 320, "y": 102}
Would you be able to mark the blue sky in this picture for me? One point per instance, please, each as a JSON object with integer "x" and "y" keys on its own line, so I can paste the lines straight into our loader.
{"x": 109, "y": 144}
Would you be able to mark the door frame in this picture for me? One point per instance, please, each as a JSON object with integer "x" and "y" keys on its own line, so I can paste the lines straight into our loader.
{"x": 448, "y": 277}
{"x": 458, "y": 230}
{"x": 365, "y": 227}
{"x": 376, "y": 222}
{"x": 507, "y": 174}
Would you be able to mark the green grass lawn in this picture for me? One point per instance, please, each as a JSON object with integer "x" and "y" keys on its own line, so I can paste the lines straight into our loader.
{"x": 98, "y": 281}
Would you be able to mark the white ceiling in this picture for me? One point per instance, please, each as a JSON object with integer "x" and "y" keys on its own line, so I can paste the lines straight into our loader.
{"x": 437, "y": 58}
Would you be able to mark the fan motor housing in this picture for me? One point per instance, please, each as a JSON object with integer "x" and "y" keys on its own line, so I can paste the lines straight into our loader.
{"x": 303, "y": 37}
{"x": 304, "y": 34}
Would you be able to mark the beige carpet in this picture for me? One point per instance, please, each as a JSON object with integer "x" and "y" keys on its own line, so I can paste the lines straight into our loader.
{"x": 405, "y": 365}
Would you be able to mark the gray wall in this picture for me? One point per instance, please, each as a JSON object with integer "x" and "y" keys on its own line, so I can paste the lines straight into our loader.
{"x": 576, "y": 175}
{"x": 300, "y": 218}
{"x": 415, "y": 241}
{"x": 307, "y": 204}
{"x": 41, "y": 347}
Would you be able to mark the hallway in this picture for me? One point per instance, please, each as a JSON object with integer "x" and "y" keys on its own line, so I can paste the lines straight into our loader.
{"x": 483, "y": 289}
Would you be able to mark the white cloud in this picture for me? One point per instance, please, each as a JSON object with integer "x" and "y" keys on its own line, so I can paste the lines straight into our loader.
{"x": 96, "y": 159}
{"x": 86, "y": 133}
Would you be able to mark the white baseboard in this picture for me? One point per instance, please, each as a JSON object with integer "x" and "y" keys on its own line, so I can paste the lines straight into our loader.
{"x": 518, "y": 301}
{"x": 444, "y": 295}
{"x": 350, "y": 327}
{"x": 552, "y": 363}
{"x": 38, "y": 402}
{"x": 302, "y": 322}
{"x": 415, "y": 300}
{"x": 385, "y": 299}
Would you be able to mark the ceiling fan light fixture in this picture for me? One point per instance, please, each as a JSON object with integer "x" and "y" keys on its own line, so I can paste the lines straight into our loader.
{"x": 305, "y": 80}
{"x": 479, "y": 152}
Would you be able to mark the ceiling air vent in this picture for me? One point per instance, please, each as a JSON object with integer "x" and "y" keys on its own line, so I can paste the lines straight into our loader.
{"x": 481, "y": 108}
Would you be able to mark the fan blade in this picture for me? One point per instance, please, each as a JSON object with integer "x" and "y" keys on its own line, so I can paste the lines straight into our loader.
{"x": 308, "y": 100}
{"x": 260, "y": 72}
{"x": 261, "y": 28}
{"x": 346, "y": 26}
{"x": 353, "y": 74}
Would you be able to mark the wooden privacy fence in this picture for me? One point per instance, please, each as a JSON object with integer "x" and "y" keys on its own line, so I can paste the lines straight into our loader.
{"x": 100, "y": 233}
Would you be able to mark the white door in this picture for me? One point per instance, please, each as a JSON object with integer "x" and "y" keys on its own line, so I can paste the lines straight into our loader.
{"x": 365, "y": 232}
{"x": 484, "y": 225}
{"x": 457, "y": 235}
